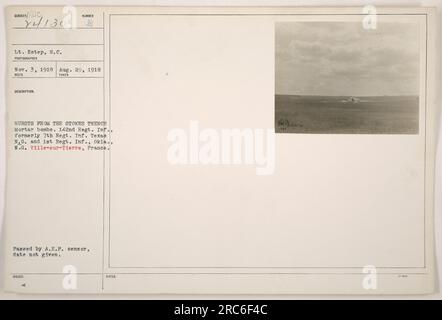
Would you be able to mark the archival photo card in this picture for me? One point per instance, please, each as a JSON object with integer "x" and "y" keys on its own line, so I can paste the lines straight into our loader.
{"x": 224, "y": 150}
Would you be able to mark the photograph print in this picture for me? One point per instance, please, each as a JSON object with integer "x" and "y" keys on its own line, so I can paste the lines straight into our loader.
{"x": 337, "y": 77}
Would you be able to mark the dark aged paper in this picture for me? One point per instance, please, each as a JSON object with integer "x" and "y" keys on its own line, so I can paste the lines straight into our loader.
{"x": 220, "y": 150}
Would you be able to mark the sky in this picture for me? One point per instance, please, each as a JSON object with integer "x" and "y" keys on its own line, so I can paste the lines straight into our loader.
{"x": 343, "y": 58}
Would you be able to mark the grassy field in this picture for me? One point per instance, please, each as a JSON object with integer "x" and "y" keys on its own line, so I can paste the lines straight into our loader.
{"x": 332, "y": 114}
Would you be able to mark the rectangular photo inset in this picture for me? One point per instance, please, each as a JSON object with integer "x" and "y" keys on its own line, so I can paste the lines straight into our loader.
{"x": 339, "y": 77}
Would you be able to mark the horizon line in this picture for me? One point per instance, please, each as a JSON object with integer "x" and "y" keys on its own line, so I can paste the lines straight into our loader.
{"x": 342, "y": 95}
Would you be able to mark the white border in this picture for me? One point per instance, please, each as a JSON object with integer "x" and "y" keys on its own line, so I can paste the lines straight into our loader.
{"x": 438, "y": 178}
